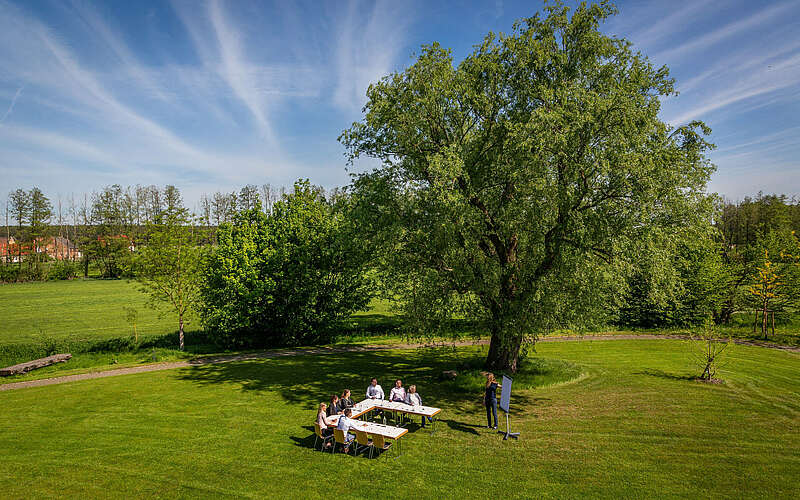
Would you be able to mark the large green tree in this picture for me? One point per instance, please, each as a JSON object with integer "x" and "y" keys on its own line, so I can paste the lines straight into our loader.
{"x": 512, "y": 182}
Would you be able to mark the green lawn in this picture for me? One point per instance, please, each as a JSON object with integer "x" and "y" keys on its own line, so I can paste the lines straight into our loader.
{"x": 75, "y": 310}
{"x": 632, "y": 425}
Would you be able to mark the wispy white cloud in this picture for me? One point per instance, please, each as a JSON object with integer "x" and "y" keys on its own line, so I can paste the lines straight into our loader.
{"x": 648, "y": 34}
{"x": 11, "y": 106}
{"x": 238, "y": 72}
{"x": 703, "y": 43}
{"x": 120, "y": 49}
{"x": 783, "y": 74}
{"x": 367, "y": 52}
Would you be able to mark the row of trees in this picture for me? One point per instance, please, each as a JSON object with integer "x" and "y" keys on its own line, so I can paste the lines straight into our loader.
{"x": 741, "y": 261}
{"x": 103, "y": 228}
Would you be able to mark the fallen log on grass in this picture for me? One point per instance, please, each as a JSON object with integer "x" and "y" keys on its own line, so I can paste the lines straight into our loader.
{"x": 32, "y": 365}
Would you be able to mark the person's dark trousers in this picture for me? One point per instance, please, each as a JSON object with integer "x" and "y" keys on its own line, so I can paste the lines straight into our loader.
{"x": 491, "y": 410}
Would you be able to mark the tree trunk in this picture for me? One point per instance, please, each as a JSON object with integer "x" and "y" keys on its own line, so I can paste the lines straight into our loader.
{"x": 180, "y": 331}
{"x": 503, "y": 353}
{"x": 773, "y": 324}
{"x": 764, "y": 320}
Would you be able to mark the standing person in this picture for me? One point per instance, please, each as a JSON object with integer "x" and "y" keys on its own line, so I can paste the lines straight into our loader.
{"x": 490, "y": 399}
{"x": 333, "y": 408}
{"x": 345, "y": 401}
{"x": 374, "y": 391}
{"x": 398, "y": 393}
{"x": 414, "y": 399}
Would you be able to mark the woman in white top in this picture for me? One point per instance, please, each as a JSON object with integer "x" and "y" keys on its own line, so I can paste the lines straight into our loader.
{"x": 322, "y": 421}
{"x": 414, "y": 399}
{"x": 398, "y": 393}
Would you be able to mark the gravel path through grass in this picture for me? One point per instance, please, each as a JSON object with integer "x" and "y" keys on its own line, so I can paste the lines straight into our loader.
{"x": 333, "y": 350}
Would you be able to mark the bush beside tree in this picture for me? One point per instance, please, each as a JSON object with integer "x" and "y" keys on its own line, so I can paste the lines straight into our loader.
{"x": 284, "y": 278}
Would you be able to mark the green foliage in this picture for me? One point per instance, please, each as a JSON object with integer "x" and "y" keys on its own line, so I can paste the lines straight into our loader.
{"x": 286, "y": 277}
{"x": 677, "y": 278}
{"x": 515, "y": 185}
{"x": 747, "y": 230}
{"x": 63, "y": 270}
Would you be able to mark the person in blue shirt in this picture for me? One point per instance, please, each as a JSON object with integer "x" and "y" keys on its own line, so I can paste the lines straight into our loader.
{"x": 490, "y": 399}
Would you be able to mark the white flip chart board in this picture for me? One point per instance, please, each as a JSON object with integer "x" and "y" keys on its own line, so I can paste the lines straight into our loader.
{"x": 505, "y": 396}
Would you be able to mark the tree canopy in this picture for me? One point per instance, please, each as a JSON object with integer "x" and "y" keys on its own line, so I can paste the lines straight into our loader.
{"x": 286, "y": 277}
{"x": 513, "y": 183}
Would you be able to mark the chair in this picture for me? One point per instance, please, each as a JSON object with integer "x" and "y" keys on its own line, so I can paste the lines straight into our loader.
{"x": 339, "y": 437}
{"x": 380, "y": 443}
{"x": 320, "y": 436}
{"x": 363, "y": 440}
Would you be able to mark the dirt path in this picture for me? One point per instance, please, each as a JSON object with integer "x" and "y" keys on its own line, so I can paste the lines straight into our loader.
{"x": 332, "y": 350}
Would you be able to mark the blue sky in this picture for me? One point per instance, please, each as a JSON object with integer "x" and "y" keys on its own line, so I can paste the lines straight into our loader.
{"x": 212, "y": 95}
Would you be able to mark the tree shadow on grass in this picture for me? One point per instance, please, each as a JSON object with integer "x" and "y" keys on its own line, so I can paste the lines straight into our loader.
{"x": 307, "y": 380}
{"x": 662, "y": 374}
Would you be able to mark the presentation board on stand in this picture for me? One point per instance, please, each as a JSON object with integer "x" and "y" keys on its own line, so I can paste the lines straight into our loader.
{"x": 505, "y": 401}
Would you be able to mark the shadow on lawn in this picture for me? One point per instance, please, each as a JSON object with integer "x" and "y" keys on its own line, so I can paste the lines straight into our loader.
{"x": 307, "y": 380}
{"x": 462, "y": 427}
{"x": 662, "y": 374}
{"x": 305, "y": 442}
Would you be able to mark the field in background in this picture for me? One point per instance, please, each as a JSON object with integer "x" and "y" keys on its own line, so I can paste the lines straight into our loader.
{"x": 77, "y": 310}
{"x": 633, "y": 425}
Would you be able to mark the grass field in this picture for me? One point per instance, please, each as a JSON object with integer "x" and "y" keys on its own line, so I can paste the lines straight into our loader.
{"x": 76, "y": 310}
{"x": 632, "y": 425}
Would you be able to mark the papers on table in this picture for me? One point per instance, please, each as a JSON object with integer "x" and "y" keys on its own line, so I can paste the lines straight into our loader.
{"x": 387, "y": 431}
{"x": 426, "y": 411}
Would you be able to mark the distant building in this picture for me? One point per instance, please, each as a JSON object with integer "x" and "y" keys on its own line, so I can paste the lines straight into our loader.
{"x": 6, "y": 245}
{"x": 58, "y": 248}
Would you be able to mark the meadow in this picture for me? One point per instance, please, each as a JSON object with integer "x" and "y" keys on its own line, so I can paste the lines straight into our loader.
{"x": 76, "y": 310}
{"x": 87, "y": 317}
{"x": 598, "y": 418}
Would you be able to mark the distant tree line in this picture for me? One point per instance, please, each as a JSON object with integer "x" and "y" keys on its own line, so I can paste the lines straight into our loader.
{"x": 688, "y": 276}
{"x": 62, "y": 238}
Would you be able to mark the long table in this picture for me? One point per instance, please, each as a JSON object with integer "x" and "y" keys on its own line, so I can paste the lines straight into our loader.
{"x": 387, "y": 431}
{"x": 396, "y": 407}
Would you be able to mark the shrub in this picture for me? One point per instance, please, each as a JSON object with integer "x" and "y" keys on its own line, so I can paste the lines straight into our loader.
{"x": 286, "y": 278}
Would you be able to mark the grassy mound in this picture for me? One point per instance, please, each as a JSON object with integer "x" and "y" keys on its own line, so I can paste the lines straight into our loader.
{"x": 532, "y": 373}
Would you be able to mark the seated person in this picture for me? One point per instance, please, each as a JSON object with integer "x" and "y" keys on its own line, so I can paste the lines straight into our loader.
{"x": 322, "y": 421}
{"x": 398, "y": 393}
{"x": 374, "y": 391}
{"x": 333, "y": 408}
{"x": 345, "y": 401}
{"x": 345, "y": 422}
{"x": 414, "y": 399}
